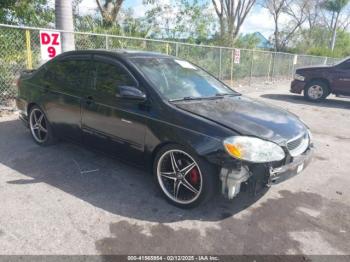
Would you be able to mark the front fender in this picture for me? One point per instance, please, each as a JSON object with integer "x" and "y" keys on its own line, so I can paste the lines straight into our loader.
{"x": 210, "y": 148}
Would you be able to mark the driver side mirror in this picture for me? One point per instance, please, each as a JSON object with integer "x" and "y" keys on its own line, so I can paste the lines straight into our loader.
{"x": 130, "y": 93}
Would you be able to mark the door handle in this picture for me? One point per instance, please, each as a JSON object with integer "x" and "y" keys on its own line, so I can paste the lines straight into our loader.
{"x": 89, "y": 100}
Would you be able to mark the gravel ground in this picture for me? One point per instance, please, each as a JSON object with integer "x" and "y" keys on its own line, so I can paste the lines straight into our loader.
{"x": 50, "y": 205}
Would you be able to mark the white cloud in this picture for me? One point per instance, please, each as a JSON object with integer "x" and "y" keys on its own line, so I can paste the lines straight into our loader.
{"x": 260, "y": 20}
{"x": 87, "y": 7}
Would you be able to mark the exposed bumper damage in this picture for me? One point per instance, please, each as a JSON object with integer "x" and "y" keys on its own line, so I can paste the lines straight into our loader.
{"x": 280, "y": 174}
{"x": 233, "y": 178}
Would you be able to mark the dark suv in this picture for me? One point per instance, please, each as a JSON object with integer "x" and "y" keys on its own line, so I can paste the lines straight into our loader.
{"x": 318, "y": 82}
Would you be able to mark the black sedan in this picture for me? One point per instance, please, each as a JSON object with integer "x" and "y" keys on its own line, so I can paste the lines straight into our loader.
{"x": 161, "y": 112}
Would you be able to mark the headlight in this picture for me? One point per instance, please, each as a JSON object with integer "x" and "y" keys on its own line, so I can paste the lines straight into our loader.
{"x": 253, "y": 149}
{"x": 299, "y": 77}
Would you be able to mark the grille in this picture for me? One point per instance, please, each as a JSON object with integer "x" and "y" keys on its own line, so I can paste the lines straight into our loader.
{"x": 298, "y": 145}
{"x": 295, "y": 143}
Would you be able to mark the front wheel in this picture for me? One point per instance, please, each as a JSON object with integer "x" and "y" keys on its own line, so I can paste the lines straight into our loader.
{"x": 316, "y": 91}
{"x": 40, "y": 127}
{"x": 185, "y": 179}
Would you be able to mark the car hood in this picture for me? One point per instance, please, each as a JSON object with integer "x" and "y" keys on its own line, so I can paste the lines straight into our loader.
{"x": 248, "y": 117}
{"x": 310, "y": 68}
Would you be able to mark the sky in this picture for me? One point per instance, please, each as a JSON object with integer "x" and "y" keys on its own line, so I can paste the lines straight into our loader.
{"x": 258, "y": 19}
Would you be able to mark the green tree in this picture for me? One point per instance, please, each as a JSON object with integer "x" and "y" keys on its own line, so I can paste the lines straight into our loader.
{"x": 231, "y": 15}
{"x": 248, "y": 41}
{"x": 193, "y": 21}
{"x": 181, "y": 19}
{"x": 139, "y": 27}
{"x": 109, "y": 11}
{"x": 334, "y": 7}
{"x": 341, "y": 48}
{"x": 26, "y": 12}
{"x": 320, "y": 46}
{"x": 295, "y": 10}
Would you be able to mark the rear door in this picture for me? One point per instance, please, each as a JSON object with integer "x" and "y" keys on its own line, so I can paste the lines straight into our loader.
{"x": 64, "y": 82}
{"x": 110, "y": 123}
{"x": 341, "y": 80}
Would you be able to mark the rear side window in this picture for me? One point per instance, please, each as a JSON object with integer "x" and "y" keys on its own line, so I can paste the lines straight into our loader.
{"x": 108, "y": 77}
{"x": 70, "y": 73}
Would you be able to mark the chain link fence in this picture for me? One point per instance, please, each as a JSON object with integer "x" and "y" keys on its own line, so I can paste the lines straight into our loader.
{"x": 20, "y": 49}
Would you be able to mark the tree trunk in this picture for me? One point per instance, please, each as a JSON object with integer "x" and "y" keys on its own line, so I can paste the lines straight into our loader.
{"x": 277, "y": 44}
{"x": 334, "y": 33}
{"x": 64, "y": 21}
{"x": 222, "y": 29}
{"x": 230, "y": 31}
{"x": 334, "y": 37}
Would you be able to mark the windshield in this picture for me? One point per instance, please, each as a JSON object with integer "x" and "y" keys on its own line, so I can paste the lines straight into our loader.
{"x": 342, "y": 61}
{"x": 179, "y": 79}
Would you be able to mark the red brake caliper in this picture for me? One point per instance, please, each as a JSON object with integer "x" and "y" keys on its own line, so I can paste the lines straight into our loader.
{"x": 194, "y": 176}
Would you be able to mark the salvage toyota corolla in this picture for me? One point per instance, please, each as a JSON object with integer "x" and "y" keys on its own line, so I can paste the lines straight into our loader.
{"x": 193, "y": 131}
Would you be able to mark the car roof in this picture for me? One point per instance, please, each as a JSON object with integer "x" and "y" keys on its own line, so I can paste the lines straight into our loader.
{"x": 117, "y": 52}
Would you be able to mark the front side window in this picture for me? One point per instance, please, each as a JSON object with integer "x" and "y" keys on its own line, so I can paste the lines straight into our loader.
{"x": 109, "y": 77}
{"x": 179, "y": 79}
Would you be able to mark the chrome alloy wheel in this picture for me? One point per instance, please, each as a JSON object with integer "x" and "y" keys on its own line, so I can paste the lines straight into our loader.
{"x": 179, "y": 176}
{"x": 38, "y": 125}
{"x": 315, "y": 92}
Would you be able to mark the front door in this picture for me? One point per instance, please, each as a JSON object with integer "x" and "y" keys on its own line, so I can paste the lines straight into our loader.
{"x": 341, "y": 80}
{"x": 110, "y": 123}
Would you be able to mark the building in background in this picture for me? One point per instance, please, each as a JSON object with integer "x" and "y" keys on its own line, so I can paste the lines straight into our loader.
{"x": 263, "y": 43}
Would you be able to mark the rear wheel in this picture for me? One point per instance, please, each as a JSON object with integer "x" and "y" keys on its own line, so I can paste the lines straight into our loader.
{"x": 185, "y": 179}
{"x": 40, "y": 127}
{"x": 316, "y": 91}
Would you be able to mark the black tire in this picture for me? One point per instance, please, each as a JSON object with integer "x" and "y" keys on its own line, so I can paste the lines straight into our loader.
{"x": 39, "y": 136}
{"x": 316, "y": 91}
{"x": 208, "y": 174}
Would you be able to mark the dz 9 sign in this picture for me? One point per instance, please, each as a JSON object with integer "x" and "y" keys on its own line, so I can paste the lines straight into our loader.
{"x": 50, "y": 43}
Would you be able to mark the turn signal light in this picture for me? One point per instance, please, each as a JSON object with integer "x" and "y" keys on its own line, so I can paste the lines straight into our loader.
{"x": 233, "y": 150}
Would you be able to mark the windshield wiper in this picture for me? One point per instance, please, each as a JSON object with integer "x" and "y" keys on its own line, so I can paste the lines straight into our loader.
{"x": 227, "y": 94}
{"x": 186, "y": 98}
{"x": 217, "y": 96}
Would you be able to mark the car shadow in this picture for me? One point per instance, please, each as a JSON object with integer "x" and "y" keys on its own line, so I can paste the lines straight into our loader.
{"x": 297, "y": 99}
{"x": 102, "y": 181}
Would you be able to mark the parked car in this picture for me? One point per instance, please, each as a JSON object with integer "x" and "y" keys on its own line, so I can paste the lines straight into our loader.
{"x": 158, "y": 111}
{"x": 318, "y": 82}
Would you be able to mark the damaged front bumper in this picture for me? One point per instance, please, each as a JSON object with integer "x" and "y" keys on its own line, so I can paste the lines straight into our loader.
{"x": 299, "y": 163}
{"x": 233, "y": 178}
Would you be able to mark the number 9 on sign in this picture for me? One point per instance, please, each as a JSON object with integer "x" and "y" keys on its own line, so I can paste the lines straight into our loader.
{"x": 51, "y": 51}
